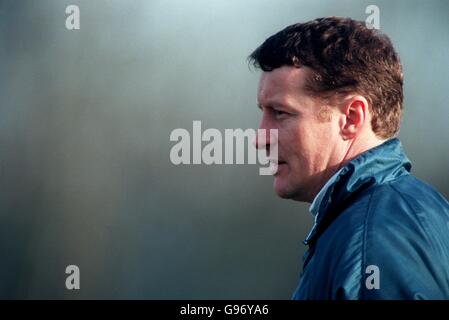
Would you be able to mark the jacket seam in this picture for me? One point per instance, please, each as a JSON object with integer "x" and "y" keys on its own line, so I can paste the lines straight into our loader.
{"x": 364, "y": 243}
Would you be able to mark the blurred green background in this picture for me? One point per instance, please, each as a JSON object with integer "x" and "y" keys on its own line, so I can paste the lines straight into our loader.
{"x": 85, "y": 119}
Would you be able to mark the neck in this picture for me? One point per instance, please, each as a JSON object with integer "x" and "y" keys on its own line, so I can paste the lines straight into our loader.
{"x": 354, "y": 148}
{"x": 358, "y": 146}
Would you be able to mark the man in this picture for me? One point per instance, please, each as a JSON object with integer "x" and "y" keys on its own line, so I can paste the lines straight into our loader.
{"x": 333, "y": 89}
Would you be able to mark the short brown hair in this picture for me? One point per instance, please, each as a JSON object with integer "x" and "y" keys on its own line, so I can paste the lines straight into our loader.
{"x": 345, "y": 57}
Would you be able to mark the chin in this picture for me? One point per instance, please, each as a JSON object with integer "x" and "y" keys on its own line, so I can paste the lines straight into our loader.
{"x": 286, "y": 191}
{"x": 282, "y": 190}
{"x": 283, "y": 195}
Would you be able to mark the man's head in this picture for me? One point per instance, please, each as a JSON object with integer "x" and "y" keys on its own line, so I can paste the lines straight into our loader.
{"x": 333, "y": 89}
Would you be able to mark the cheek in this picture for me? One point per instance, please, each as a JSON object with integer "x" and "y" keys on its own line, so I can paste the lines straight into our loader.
{"x": 294, "y": 146}
{"x": 323, "y": 133}
{"x": 289, "y": 140}
{"x": 305, "y": 144}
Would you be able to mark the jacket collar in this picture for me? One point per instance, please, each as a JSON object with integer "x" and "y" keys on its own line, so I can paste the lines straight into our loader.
{"x": 375, "y": 166}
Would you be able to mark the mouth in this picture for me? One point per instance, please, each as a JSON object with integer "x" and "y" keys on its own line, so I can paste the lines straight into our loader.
{"x": 277, "y": 166}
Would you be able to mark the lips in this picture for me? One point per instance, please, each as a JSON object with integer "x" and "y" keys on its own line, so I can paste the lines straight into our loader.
{"x": 277, "y": 166}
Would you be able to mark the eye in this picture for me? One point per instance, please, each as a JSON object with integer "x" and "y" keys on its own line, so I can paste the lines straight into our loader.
{"x": 278, "y": 114}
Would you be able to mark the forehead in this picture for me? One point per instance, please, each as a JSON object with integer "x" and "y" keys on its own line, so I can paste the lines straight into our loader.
{"x": 282, "y": 83}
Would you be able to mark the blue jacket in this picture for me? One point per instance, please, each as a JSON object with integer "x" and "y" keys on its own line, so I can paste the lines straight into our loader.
{"x": 379, "y": 233}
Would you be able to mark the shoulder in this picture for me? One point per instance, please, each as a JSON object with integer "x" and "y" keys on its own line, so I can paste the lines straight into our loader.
{"x": 406, "y": 208}
{"x": 398, "y": 228}
{"x": 412, "y": 194}
{"x": 406, "y": 239}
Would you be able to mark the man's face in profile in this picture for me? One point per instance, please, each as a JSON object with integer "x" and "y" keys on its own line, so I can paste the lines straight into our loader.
{"x": 307, "y": 138}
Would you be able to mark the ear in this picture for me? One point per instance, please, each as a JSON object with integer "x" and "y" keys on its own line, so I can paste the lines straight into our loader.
{"x": 354, "y": 114}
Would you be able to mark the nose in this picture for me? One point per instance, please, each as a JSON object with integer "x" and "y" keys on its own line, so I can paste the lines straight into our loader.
{"x": 263, "y": 133}
{"x": 262, "y": 139}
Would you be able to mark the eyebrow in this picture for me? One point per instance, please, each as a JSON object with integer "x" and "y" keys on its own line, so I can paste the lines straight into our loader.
{"x": 275, "y": 106}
